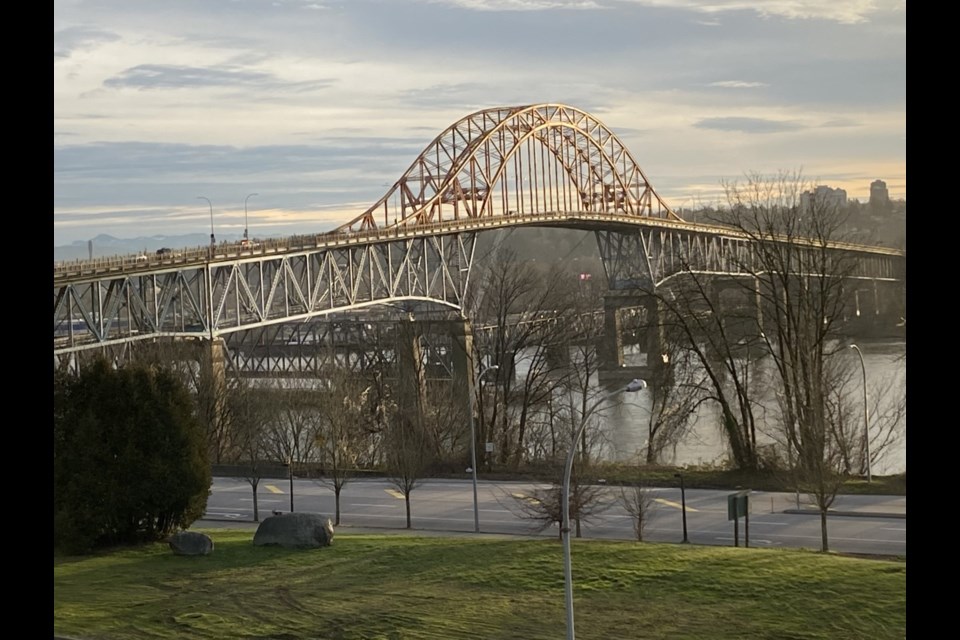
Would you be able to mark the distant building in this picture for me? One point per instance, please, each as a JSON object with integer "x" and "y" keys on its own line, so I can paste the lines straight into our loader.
{"x": 879, "y": 196}
{"x": 823, "y": 196}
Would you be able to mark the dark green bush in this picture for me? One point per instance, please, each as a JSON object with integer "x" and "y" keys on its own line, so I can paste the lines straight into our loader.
{"x": 130, "y": 460}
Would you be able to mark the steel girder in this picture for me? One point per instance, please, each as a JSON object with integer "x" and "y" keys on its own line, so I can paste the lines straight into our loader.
{"x": 315, "y": 348}
{"x": 647, "y": 257}
{"x": 509, "y": 161}
{"x": 215, "y": 298}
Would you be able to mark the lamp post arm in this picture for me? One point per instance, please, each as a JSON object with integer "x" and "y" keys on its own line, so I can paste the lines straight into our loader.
{"x": 866, "y": 419}
{"x": 635, "y": 385}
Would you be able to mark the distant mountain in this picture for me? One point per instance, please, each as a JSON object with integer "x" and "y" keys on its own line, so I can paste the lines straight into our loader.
{"x": 104, "y": 245}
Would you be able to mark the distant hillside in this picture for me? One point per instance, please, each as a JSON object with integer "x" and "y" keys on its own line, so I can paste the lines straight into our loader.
{"x": 540, "y": 244}
{"x": 104, "y": 245}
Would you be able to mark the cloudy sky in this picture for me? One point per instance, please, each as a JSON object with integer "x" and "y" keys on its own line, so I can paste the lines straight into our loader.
{"x": 318, "y": 106}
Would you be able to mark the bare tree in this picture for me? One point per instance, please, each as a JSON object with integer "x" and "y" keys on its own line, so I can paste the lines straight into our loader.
{"x": 676, "y": 391}
{"x": 407, "y": 456}
{"x": 518, "y": 304}
{"x": 639, "y": 502}
{"x": 344, "y": 430}
{"x": 249, "y": 417}
{"x": 801, "y": 278}
{"x": 543, "y": 506}
{"x": 409, "y": 450}
{"x": 691, "y": 308}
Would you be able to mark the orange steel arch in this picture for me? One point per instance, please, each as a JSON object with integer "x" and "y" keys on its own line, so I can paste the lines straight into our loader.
{"x": 525, "y": 160}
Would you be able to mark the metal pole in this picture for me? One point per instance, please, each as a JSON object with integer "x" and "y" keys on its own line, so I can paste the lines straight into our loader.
{"x": 683, "y": 505}
{"x": 290, "y": 466}
{"x": 473, "y": 448}
{"x": 635, "y": 385}
{"x": 213, "y": 240}
{"x": 866, "y": 422}
{"x": 245, "y": 225}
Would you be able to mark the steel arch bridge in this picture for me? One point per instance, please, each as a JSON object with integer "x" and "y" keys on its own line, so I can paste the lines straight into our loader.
{"x": 534, "y": 165}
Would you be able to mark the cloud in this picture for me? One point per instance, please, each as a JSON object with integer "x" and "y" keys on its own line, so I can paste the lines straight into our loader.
{"x": 737, "y": 84}
{"x": 159, "y": 76}
{"x": 67, "y": 41}
{"x": 848, "y": 11}
{"x": 520, "y": 5}
{"x": 747, "y": 125}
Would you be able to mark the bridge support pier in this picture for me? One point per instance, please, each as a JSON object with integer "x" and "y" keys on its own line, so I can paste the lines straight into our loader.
{"x": 410, "y": 368}
{"x": 638, "y": 314}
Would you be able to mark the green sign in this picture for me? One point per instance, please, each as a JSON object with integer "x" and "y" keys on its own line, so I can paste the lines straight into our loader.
{"x": 737, "y": 504}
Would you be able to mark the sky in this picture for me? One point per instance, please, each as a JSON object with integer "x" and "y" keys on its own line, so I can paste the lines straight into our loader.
{"x": 319, "y": 106}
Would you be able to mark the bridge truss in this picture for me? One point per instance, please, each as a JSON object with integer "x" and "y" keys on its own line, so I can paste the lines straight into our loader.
{"x": 536, "y": 165}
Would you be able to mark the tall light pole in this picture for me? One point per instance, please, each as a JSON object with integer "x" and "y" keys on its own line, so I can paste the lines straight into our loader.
{"x": 290, "y": 465}
{"x": 213, "y": 240}
{"x": 245, "y": 225}
{"x": 866, "y": 422}
{"x": 635, "y": 385}
{"x": 683, "y": 505}
{"x": 473, "y": 448}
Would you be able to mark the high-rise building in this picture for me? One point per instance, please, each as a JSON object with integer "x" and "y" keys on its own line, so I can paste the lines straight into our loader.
{"x": 879, "y": 196}
{"x": 823, "y": 196}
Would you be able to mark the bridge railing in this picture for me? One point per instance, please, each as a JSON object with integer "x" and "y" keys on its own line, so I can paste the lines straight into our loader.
{"x": 233, "y": 250}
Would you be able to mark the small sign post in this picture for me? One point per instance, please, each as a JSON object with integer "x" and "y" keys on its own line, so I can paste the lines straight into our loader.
{"x": 738, "y": 505}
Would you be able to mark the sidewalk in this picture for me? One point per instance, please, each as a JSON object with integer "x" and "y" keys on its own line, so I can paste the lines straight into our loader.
{"x": 858, "y": 506}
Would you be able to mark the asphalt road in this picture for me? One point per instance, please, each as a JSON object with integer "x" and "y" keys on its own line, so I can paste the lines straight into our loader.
{"x": 874, "y": 525}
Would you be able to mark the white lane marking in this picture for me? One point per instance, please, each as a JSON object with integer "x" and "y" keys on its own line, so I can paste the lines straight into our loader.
{"x": 891, "y": 529}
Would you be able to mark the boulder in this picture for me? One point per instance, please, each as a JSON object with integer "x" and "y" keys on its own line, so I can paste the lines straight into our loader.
{"x": 295, "y": 530}
{"x": 190, "y": 543}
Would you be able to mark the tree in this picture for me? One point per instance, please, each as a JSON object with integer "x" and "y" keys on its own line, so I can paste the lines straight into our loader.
{"x": 130, "y": 459}
{"x": 544, "y": 505}
{"x": 343, "y": 431}
{"x": 691, "y": 308}
{"x": 409, "y": 450}
{"x": 638, "y": 501}
{"x": 517, "y": 301}
{"x": 676, "y": 390}
{"x": 249, "y": 416}
{"x": 407, "y": 457}
{"x": 800, "y": 278}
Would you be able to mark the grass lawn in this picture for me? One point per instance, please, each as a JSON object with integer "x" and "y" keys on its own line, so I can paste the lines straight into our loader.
{"x": 444, "y": 588}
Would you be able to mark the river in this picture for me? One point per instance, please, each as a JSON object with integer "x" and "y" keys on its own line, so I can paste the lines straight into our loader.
{"x": 885, "y": 368}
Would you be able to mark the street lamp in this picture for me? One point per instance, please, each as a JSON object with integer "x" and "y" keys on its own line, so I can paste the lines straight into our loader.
{"x": 213, "y": 240}
{"x": 290, "y": 474}
{"x": 473, "y": 450}
{"x": 683, "y": 505}
{"x": 245, "y": 225}
{"x": 866, "y": 423}
{"x": 635, "y": 385}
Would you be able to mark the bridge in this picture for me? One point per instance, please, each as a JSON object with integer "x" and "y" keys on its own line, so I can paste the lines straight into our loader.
{"x": 536, "y": 165}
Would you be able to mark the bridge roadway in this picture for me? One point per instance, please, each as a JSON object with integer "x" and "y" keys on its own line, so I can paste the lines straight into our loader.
{"x": 80, "y": 270}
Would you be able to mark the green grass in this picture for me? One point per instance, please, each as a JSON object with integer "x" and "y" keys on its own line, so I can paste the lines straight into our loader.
{"x": 392, "y": 587}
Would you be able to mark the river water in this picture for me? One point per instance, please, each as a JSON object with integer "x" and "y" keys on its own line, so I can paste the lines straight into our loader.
{"x": 625, "y": 423}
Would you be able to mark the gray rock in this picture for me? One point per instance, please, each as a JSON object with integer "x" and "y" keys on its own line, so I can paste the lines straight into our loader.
{"x": 296, "y": 530}
{"x": 191, "y": 543}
